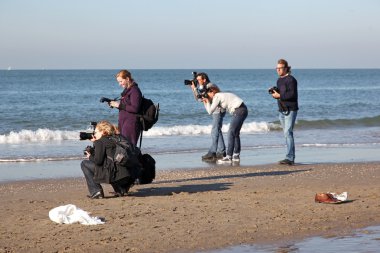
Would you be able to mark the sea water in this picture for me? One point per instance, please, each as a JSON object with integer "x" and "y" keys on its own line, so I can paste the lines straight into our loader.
{"x": 43, "y": 111}
{"x": 361, "y": 241}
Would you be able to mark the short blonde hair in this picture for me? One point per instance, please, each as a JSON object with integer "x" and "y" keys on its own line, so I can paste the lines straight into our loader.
{"x": 105, "y": 127}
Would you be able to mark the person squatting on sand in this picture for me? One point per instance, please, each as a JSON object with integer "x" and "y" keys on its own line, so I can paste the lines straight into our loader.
{"x": 236, "y": 107}
{"x": 218, "y": 148}
{"x": 96, "y": 168}
{"x": 129, "y": 106}
{"x": 286, "y": 94}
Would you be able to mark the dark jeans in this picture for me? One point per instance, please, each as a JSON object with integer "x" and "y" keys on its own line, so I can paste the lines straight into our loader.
{"x": 88, "y": 168}
{"x": 237, "y": 121}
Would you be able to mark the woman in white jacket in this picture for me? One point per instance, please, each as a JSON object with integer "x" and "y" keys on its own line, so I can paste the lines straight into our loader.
{"x": 236, "y": 107}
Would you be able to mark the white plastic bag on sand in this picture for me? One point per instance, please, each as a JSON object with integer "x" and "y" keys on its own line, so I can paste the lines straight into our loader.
{"x": 70, "y": 214}
{"x": 341, "y": 197}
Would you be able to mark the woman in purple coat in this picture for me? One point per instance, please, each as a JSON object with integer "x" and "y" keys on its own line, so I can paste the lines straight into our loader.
{"x": 129, "y": 106}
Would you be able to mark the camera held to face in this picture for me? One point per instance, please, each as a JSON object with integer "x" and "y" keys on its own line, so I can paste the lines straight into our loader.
{"x": 194, "y": 80}
{"x": 88, "y": 136}
{"x": 273, "y": 89}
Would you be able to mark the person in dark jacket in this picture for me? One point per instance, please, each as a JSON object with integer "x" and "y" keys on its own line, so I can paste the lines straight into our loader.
{"x": 129, "y": 107}
{"x": 100, "y": 162}
{"x": 287, "y": 100}
{"x": 218, "y": 148}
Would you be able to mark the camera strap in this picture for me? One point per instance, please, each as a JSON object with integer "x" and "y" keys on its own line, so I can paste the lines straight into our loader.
{"x": 283, "y": 108}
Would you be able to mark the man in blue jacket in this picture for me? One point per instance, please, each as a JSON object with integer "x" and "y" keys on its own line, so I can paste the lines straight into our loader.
{"x": 287, "y": 100}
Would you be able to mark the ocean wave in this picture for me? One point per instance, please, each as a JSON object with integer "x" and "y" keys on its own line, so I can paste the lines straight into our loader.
{"x": 339, "y": 123}
{"x": 339, "y": 145}
{"x": 251, "y": 127}
{"x": 39, "y": 135}
{"x": 44, "y": 135}
{"x": 38, "y": 159}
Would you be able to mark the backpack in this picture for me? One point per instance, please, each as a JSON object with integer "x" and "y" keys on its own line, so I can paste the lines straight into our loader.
{"x": 148, "y": 113}
{"x": 126, "y": 156}
{"x": 148, "y": 169}
{"x": 125, "y": 152}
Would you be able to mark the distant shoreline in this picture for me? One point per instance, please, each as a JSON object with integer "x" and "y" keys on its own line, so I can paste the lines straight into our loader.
{"x": 37, "y": 170}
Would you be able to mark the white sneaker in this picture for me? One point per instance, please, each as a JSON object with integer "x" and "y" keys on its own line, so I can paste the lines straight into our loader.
{"x": 225, "y": 160}
{"x": 236, "y": 158}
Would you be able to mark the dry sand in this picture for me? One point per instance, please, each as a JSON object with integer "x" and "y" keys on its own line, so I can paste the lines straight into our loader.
{"x": 193, "y": 210}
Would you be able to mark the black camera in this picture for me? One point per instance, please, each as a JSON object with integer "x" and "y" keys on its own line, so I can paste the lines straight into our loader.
{"x": 202, "y": 93}
{"x": 189, "y": 82}
{"x": 88, "y": 136}
{"x": 89, "y": 149}
{"x": 107, "y": 100}
{"x": 273, "y": 89}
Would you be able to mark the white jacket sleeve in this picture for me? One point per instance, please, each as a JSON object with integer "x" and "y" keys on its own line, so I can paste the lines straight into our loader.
{"x": 212, "y": 107}
{"x": 208, "y": 107}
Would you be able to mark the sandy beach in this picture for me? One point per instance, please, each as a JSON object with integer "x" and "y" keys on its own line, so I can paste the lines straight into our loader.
{"x": 193, "y": 210}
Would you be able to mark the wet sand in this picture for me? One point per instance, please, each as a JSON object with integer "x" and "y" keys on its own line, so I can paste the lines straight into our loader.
{"x": 193, "y": 210}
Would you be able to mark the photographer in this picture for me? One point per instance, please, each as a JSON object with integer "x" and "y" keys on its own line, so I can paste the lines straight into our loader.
{"x": 218, "y": 148}
{"x": 129, "y": 106}
{"x": 236, "y": 107}
{"x": 286, "y": 94}
{"x": 97, "y": 168}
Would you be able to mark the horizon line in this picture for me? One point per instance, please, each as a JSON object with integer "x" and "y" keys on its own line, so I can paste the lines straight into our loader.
{"x": 304, "y": 68}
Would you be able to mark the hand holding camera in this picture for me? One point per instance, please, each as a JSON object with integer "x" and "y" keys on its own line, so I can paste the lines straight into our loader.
{"x": 111, "y": 102}
{"x": 88, "y": 151}
{"x": 200, "y": 92}
{"x": 275, "y": 92}
{"x": 114, "y": 104}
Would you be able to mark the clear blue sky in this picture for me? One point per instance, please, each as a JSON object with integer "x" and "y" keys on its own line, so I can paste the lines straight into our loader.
{"x": 191, "y": 34}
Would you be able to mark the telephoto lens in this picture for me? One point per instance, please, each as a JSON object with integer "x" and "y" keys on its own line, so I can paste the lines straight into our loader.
{"x": 85, "y": 136}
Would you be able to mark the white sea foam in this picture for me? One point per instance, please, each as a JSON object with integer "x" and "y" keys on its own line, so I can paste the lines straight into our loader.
{"x": 338, "y": 145}
{"x": 42, "y": 135}
{"x": 252, "y": 127}
{"x": 39, "y": 135}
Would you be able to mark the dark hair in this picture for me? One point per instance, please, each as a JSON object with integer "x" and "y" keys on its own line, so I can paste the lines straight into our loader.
{"x": 286, "y": 65}
{"x": 204, "y": 76}
{"x": 214, "y": 89}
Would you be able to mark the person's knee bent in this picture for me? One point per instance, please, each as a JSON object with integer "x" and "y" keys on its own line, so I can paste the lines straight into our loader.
{"x": 83, "y": 165}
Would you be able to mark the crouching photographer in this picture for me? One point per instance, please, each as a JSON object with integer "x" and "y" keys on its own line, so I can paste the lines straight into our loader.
{"x": 99, "y": 164}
